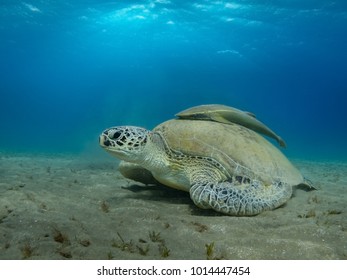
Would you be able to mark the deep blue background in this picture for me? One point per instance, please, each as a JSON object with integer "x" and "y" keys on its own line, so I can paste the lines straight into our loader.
{"x": 69, "y": 69}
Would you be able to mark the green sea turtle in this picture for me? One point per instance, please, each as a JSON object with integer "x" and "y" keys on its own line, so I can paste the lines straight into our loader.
{"x": 226, "y": 167}
{"x": 226, "y": 114}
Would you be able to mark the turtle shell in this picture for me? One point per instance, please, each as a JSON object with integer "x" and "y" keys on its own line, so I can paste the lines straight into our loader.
{"x": 239, "y": 150}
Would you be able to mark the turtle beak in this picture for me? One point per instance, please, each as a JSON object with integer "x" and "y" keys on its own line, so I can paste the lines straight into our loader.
{"x": 103, "y": 141}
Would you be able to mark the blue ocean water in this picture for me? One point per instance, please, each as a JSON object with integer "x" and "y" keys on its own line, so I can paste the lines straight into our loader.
{"x": 70, "y": 69}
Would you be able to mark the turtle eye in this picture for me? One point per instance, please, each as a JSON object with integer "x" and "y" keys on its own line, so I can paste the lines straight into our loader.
{"x": 116, "y": 135}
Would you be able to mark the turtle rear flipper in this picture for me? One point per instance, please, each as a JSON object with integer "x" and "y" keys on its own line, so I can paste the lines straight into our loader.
{"x": 308, "y": 185}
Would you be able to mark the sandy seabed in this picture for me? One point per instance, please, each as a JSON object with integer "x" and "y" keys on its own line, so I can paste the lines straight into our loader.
{"x": 70, "y": 207}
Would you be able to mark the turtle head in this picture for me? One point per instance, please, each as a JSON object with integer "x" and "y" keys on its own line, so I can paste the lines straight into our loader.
{"x": 125, "y": 142}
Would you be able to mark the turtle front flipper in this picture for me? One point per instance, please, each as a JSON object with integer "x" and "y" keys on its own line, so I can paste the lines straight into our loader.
{"x": 136, "y": 173}
{"x": 239, "y": 196}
